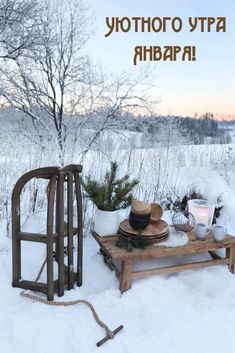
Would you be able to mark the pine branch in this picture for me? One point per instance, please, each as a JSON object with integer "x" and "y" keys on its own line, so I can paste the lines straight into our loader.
{"x": 112, "y": 194}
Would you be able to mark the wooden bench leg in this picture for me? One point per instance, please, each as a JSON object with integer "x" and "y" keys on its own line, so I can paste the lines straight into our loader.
{"x": 125, "y": 278}
{"x": 230, "y": 253}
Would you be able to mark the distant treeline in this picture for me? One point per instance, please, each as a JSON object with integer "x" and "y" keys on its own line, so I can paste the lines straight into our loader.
{"x": 201, "y": 130}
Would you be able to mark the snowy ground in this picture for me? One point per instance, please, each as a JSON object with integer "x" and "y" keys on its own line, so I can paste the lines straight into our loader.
{"x": 190, "y": 312}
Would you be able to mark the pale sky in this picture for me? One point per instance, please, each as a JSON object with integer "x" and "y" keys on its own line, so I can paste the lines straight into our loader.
{"x": 184, "y": 88}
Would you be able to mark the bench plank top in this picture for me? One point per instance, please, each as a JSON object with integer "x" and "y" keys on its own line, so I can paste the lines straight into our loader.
{"x": 108, "y": 243}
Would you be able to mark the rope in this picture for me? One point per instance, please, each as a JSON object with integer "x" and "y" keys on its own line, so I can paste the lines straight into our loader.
{"x": 24, "y": 293}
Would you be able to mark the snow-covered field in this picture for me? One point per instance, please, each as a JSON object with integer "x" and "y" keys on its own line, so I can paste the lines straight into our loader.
{"x": 190, "y": 312}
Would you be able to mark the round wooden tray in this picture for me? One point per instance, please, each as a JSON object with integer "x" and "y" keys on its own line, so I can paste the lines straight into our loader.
{"x": 127, "y": 236}
{"x": 155, "y": 229}
{"x": 149, "y": 240}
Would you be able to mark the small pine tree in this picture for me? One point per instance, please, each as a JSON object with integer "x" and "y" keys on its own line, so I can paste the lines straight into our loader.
{"x": 112, "y": 194}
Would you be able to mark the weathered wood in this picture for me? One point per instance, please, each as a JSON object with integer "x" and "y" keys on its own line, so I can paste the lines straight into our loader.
{"x": 16, "y": 260}
{"x": 125, "y": 278}
{"x": 32, "y": 285}
{"x": 67, "y": 277}
{"x": 60, "y": 243}
{"x": 112, "y": 253}
{"x": 178, "y": 268}
{"x": 152, "y": 251}
{"x": 70, "y": 230}
{"x": 35, "y": 237}
{"x": 16, "y": 243}
{"x": 41, "y": 238}
{"x": 80, "y": 227}
{"x": 231, "y": 253}
{"x": 50, "y": 224}
{"x": 17, "y": 235}
{"x": 36, "y": 286}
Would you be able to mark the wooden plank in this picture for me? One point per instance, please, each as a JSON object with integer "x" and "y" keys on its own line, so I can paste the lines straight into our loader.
{"x": 70, "y": 230}
{"x": 60, "y": 226}
{"x": 49, "y": 238}
{"x": 103, "y": 241}
{"x": 195, "y": 246}
{"x": 16, "y": 226}
{"x": 111, "y": 253}
{"x": 16, "y": 260}
{"x": 231, "y": 253}
{"x": 80, "y": 226}
{"x": 34, "y": 286}
{"x": 178, "y": 268}
{"x": 35, "y": 237}
{"x": 125, "y": 279}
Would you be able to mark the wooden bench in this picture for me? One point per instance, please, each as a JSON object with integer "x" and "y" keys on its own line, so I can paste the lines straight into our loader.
{"x": 114, "y": 255}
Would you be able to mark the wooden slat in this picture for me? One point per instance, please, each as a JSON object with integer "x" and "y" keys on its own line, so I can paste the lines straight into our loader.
{"x": 16, "y": 227}
{"x": 49, "y": 238}
{"x": 16, "y": 259}
{"x": 178, "y": 268}
{"x": 35, "y": 237}
{"x": 112, "y": 253}
{"x": 41, "y": 238}
{"x": 193, "y": 247}
{"x": 102, "y": 241}
{"x": 60, "y": 226}
{"x": 70, "y": 229}
{"x": 80, "y": 227}
{"x": 125, "y": 280}
{"x": 231, "y": 259}
{"x": 34, "y": 286}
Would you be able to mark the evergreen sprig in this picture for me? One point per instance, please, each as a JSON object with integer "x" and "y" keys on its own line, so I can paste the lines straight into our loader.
{"x": 137, "y": 242}
{"x": 112, "y": 194}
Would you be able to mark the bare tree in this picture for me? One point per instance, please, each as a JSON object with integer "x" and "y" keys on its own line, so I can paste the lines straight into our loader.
{"x": 18, "y": 27}
{"x": 171, "y": 131}
{"x": 55, "y": 85}
{"x": 50, "y": 81}
{"x": 120, "y": 95}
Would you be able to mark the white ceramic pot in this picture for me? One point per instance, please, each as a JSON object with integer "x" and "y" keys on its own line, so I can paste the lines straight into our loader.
{"x": 106, "y": 222}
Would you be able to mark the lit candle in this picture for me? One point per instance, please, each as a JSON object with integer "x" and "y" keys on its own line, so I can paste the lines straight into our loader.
{"x": 202, "y": 210}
